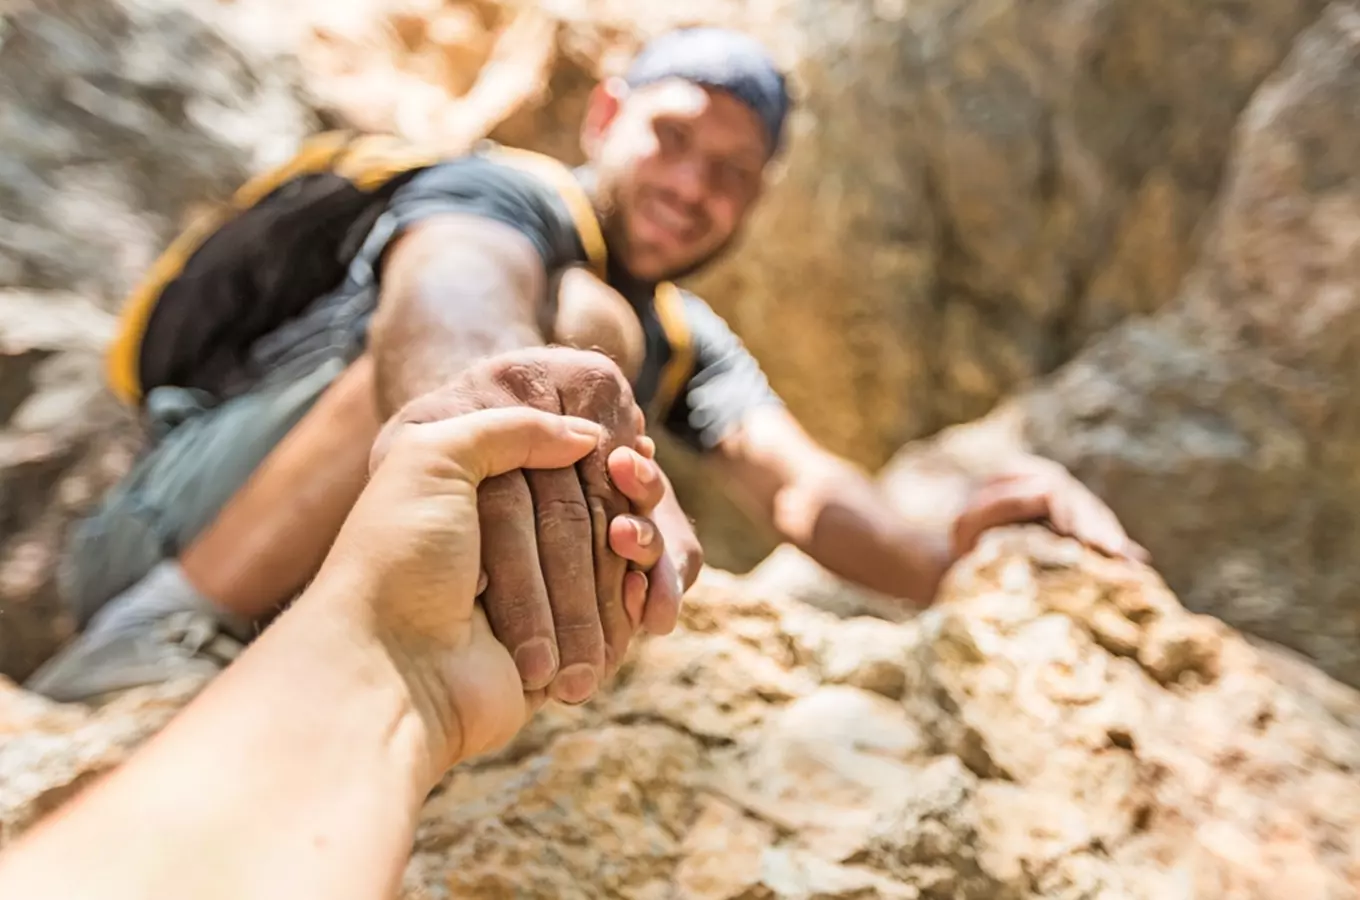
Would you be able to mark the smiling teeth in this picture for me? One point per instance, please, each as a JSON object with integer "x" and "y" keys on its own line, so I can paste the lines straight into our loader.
{"x": 670, "y": 219}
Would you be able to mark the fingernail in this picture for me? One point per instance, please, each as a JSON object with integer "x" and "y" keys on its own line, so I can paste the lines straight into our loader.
{"x": 645, "y": 471}
{"x": 537, "y": 663}
{"x": 578, "y": 425}
{"x": 575, "y": 684}
{"x": 645, "y": 532}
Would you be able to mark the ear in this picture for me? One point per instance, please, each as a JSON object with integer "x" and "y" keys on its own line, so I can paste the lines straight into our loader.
{"x": 605, "y": 102}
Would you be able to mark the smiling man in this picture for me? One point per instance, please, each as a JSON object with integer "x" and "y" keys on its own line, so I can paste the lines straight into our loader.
{"x": 371, "y": 291}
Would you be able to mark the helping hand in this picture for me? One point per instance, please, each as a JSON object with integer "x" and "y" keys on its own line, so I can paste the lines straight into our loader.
{"x": 555, "y": 592}
{"x": 410, "y": 553}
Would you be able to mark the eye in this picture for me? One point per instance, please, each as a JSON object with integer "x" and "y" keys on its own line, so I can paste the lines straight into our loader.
{"x": 733, "y": 178}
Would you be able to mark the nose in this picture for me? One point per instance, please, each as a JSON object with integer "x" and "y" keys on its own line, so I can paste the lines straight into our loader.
{"x": 689, "y": 179}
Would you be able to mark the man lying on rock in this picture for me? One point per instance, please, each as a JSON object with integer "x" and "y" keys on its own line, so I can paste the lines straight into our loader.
{"x": 267, "y": 348}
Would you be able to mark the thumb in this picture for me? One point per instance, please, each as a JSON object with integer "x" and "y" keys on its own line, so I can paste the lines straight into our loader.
{"x": 495, "y": 441}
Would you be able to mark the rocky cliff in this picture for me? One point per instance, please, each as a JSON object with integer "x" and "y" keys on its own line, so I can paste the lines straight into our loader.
{"x": 1058, "y": 727}
{"x": 116, "y": 120}
{"x": 1222, "y": 429}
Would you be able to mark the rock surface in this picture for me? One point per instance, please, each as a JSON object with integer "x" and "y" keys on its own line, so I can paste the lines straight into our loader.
{"x": 1222, "y": 429}
{"x": 1059, "y": 727}
{"x": 62, "y": 443}
{"x": 1225, "y": 430}
{"x": 116, "y": 119}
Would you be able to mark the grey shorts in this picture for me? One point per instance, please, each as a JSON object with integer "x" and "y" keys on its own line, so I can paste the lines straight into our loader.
{"x": 201, "y": 455}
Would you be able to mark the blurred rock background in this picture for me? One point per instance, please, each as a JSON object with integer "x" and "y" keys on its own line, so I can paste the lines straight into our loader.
{"x": 1124, "y": 234}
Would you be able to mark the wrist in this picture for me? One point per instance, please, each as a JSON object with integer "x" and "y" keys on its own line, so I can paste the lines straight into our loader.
{"x": 398, "y": 682}
{"x": 459, "y": 685}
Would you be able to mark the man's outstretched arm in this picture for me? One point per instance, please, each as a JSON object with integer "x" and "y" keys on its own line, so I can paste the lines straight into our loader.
{"x": 832, "y": 511}
{"x": 828, "y": 508}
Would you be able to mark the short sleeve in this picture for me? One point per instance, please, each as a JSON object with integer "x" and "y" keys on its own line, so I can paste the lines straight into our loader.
{"x": 476, "y": 186}
{"x": 726, "y": 385}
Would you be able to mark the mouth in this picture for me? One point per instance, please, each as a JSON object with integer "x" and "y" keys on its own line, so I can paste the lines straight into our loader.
{"x": 669, "y": 221}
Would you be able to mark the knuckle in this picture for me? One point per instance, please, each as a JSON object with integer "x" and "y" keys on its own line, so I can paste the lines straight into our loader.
{"x": 582, "y": 633}
{"x": 567, "y": 575}
{"x": 516, "y": 616}
{"x": 563, "y": 517}
{"x": 598, "y": 382}
{"x": 503, "y": 494}
{"x": 526, "y": 380}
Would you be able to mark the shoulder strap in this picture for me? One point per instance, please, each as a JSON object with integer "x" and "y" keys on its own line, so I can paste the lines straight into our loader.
{"x": 560, "y": 177}
{"x": 372, "y": 160}
{"x": 366, "y": 161}
{"x": 670, "y": 310}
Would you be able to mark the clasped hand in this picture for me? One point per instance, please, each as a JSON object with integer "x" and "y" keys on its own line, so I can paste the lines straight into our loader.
{"x": 505, "y": 543}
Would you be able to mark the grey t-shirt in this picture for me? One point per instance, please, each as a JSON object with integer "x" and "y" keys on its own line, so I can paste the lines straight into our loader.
{"x": 726, "y": 382}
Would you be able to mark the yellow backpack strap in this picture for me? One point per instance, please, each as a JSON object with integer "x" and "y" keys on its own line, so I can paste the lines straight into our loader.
{"x": 368, "y": 162}
{"x": 670, "y": 310}
{"x": 573, "y": 194}
{"x": 371, "y": 161}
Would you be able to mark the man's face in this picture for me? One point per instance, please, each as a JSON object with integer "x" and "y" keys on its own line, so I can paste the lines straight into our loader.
{"x": 678, "y": 168}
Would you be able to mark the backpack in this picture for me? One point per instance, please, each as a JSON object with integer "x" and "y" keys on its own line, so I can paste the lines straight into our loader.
{"x": 287, "y": 237}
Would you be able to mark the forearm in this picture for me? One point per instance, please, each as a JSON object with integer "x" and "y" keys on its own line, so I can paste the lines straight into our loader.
{"x": 830, "y": 509}
{"x": 298, "y": 773}
{"x": 421, "y": 359}
{"x": 838, "y": 517}
{"x": 454, "y": 291}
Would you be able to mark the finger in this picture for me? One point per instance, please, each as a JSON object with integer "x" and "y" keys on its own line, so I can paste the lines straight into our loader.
{"x": 1137, "y": 551}
{"x": 635, "y": 597}
{"x": 999, "y": 503}
{"x": 1097, "y": 527}
{"x": 637, "y": 478}
{"x": 516, "y": 600}
{"x": 646, "y": 446}
{"x": 565, "y": 554}
{"x": 664, "y": 595}
{"x": 494, "y": 441}
{"x": 605, "y": 396}
{"x": 609, "y": 571}
{"x": 636, "y": 540}
{"x": 1105, "y": 532}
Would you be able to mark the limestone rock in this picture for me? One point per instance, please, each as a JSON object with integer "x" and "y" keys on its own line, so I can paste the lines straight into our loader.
{"x": 1221, "y": 429}
{"x": 1165, "y": 762}
{"x": 116, "y": 117}
{"x": 1065, "y": 729}
{"x": 62, "y": 443}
